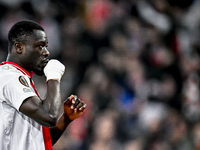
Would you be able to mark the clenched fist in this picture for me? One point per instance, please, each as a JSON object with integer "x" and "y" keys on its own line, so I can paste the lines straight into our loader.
{"x": 74, "y": 107}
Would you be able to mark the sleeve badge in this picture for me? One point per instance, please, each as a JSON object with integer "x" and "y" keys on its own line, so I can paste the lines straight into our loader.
{"x": 23, "y": 81}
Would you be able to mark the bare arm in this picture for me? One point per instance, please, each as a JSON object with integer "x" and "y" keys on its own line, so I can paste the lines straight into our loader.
{"x": 73, "y": 108}
{"x": 59, "y": 129}
{"x": 45, "y": 112}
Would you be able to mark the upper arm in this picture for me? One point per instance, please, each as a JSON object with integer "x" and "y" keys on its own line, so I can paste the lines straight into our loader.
{"x": 15, "y": 92}
{"x": 33, "y": 107}
{"x": 21, "y": 96}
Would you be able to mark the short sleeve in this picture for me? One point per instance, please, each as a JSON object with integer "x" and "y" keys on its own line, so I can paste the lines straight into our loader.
{"x": 17, "y": 90}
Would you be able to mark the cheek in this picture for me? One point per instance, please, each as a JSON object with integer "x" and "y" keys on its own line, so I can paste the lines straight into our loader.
{"x": 33, "y": 60}
{"x": 35, "y": 57}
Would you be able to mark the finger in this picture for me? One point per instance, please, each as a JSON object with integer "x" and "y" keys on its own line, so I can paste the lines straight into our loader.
{"x": 79, "y": 104}
{"x": 83, "y": 107}
{"x": 76, "y": 103}
{"x": 69, "y": 99}
{"x": 74, "y": 99}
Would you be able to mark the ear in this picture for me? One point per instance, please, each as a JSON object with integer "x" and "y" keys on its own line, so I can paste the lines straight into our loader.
{"x": 19, "y": 47}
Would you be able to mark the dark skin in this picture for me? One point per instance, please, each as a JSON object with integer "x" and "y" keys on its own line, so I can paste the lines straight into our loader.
{"x": 33, "y": 56}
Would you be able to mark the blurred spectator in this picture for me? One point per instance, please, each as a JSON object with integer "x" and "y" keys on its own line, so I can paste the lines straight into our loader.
{"x": 104, "y": 133}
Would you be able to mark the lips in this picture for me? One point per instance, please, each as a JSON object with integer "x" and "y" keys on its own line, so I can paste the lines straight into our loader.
{"x": 45, "y": 62}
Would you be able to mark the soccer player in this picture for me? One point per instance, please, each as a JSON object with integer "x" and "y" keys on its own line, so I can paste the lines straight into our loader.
{"x": 28, "y": 122}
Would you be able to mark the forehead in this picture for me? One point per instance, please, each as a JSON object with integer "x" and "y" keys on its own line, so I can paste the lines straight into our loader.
{"x": 39, "y": 35}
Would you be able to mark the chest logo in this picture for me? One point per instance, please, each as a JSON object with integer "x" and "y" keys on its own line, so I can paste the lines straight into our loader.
{"x": 23, "y": 81}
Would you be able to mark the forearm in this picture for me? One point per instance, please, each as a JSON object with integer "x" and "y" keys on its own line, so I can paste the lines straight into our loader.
{"x": 52, "y": 102}
{"x": 59, "y": 129}
{"x": 73, "y": 108}
{"x": 46, "y": 111}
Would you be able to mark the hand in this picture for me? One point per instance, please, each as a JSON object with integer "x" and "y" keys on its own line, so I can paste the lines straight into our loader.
{"x": 54, "y": 70}
{"x": 74, "y": 107}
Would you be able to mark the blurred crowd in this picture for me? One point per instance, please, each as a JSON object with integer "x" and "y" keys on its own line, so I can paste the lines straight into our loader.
{"x": 136, "y": 63}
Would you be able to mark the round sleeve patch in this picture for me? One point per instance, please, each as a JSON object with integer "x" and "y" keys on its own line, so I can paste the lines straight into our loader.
{"x": 23, "y": 81}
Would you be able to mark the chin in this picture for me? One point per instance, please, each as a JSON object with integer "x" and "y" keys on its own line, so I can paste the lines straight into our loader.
{"x": 39, "y": 73}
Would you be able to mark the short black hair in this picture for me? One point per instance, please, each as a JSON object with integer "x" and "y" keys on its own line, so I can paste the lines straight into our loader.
{"x": 21, "y": 29}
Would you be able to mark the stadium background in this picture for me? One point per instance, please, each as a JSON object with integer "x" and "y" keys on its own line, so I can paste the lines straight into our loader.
{"x": 136, "y": 63}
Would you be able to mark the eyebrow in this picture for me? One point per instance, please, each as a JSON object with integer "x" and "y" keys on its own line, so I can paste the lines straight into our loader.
{"x": 43, "y": 42}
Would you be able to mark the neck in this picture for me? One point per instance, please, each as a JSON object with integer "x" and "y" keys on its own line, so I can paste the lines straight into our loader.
{"x": 17, "y": 61}
{"x": 7, "y": 59}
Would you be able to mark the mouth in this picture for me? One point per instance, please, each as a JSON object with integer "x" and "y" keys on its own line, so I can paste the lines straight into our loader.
{"x": 45, "y": 62}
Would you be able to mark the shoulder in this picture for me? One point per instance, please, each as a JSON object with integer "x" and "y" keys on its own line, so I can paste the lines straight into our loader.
{"x": 8, "y": 73}
{"x": 8, "y": 68}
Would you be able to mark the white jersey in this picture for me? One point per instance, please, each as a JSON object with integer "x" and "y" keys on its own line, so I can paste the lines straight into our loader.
{"x": 17, "y": 131}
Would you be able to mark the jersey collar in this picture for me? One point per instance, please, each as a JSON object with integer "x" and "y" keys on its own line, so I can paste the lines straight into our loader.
{"x": 18, "y": 67}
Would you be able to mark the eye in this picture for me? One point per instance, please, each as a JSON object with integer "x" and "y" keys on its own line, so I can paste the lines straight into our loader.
{"x": 42, "y": 46}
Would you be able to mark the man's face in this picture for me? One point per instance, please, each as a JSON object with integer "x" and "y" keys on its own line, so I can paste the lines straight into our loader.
{"x": 36, "y": 53}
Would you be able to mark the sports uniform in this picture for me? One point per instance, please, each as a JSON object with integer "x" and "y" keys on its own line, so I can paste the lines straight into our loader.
{"x": 17, "y": 92}
{"x": 17, "y": 131}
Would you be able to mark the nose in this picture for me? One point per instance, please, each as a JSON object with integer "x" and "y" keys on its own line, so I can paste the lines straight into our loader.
{"x": 46, "y": 52}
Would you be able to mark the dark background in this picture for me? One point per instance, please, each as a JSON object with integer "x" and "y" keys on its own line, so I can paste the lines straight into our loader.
{"x": 136, "y": 63}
